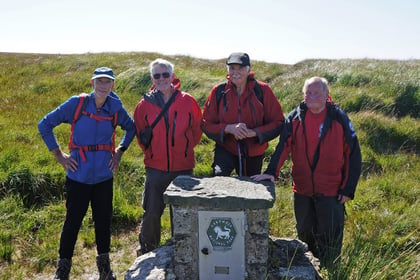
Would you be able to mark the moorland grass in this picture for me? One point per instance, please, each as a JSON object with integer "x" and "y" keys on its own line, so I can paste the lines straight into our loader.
{"x": 382, "y": 233}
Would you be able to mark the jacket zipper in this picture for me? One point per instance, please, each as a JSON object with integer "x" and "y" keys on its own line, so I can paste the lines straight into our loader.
{"x": 96, "y": 136}
{"x": 167, "y": 141}
{"x": 186, "y": 137}
{"x": 173, "y": 130}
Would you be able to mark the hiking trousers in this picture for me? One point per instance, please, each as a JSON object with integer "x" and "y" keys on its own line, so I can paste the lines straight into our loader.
{"x": 224, "y": 163}
{"x": 78, "y": 198}
{"x": 320, "y": 224}
{"x": 150, "y": 229}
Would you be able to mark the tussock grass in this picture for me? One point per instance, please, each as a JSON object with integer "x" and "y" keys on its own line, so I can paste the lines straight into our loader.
{"x": 381, "y": 238}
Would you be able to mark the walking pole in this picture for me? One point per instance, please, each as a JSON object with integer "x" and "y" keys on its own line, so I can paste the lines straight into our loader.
{"x": 240, "y": 160}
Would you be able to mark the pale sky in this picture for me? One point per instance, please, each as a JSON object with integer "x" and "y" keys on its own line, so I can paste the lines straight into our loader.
{"x": 282, "y": 31}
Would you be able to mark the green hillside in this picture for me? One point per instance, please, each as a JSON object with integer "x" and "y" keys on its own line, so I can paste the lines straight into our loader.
{"x": 382, "y": 98}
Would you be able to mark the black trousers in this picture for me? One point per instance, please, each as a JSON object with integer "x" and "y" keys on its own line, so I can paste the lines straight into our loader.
{"x": 78, "y": 197}
{"x": 224, "y": 163}
{"x": 320, "y": 224}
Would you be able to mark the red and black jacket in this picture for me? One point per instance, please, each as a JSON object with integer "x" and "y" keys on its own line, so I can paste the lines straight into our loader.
{"x": 266, "y": 119}
{"x": 336, "y": 164}
{"x": 175, "y": 135}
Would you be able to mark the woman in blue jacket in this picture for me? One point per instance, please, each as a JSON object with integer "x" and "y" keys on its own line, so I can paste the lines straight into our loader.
{"x": 90, "y": 164}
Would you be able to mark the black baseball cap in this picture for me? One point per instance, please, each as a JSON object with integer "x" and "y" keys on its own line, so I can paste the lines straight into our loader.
{"x": 238, "y": 58}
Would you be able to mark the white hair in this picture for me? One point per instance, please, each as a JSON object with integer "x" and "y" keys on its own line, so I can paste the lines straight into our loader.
{"x": 313, "y": 80}
{"x": 160, "y": 61}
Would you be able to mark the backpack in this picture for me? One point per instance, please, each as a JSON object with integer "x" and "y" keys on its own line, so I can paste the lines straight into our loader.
{"x": 221, "y": 93}
{"x": 80, "y": 110}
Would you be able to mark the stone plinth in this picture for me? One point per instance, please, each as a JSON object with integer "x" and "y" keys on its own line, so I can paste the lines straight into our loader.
{"x": 190, "y": 195}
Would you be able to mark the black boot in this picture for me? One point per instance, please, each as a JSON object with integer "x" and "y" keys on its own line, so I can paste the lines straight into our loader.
{"x": 104, "y": 267}
{"x": 63, "y": 269}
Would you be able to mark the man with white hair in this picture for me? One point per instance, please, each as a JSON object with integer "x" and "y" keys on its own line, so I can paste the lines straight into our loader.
{"x": 326, "y": 165}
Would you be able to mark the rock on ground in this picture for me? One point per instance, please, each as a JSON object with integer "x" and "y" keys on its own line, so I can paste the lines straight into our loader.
{"x": 288, "y": 259}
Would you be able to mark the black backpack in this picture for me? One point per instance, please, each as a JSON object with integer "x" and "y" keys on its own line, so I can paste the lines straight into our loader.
{"x": 221, "y": 93}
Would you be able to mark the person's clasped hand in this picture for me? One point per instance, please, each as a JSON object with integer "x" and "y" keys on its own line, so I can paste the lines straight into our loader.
{"x": 240, "y": 131}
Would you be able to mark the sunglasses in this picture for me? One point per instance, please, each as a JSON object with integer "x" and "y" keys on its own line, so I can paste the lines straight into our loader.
{"x": 164, "y": 75}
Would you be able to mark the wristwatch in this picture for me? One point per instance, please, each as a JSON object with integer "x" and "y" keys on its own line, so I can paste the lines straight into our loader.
{"x": 122, "y": 148}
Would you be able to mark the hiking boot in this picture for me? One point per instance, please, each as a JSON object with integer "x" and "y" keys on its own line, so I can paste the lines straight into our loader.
{"x": 144, "y": 248}
{"x": 104, "y": 267}
{"x": 63, "y": 269}
{"x": 138, "y": 251}
{"x": 141, "y": 250}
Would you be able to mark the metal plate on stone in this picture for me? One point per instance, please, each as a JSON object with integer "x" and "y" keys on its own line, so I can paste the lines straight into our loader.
{"x": 221, "y": 241}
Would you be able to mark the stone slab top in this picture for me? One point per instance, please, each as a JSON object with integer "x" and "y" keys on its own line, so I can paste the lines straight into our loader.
{"x": 220, "y": 192}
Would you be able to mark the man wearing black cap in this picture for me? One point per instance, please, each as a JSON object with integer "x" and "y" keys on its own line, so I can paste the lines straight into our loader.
{"x": 241, "y": 115}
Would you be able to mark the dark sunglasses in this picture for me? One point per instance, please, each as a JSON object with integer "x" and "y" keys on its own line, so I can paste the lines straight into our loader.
{"x": 164, "y": 75}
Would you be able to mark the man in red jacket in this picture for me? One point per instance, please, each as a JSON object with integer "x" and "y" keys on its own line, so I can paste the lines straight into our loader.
{"x": 326, "y": 165}
{"x": 171, "y": 149}
{"x": 241, "y": 115}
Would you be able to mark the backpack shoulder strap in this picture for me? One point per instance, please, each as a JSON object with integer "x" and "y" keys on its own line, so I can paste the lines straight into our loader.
{"x": 220, "y": 92}
{"x": 164, "y": 109}
{"x": 114, "y": 124}
{"x": 342, "y": 118}
{"x": 83, "y": 101}
{"x": 258, "y": 92}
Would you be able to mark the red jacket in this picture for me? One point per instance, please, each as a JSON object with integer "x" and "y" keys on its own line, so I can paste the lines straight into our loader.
{"x": 266, "y": 118}
{"x": 335, "y": 169}
{"x": 174, "y": 139}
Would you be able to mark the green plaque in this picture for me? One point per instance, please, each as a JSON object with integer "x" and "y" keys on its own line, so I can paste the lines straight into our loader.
{"x": 221, "y": 233}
